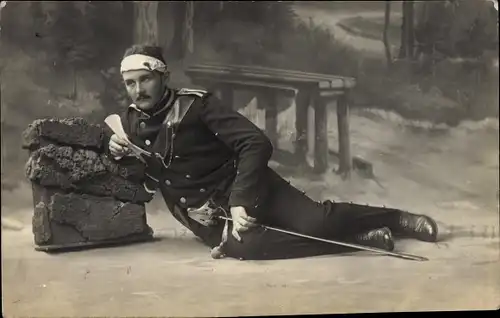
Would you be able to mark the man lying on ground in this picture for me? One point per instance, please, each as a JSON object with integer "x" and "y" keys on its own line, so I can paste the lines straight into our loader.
{"x": 203, "y": 155}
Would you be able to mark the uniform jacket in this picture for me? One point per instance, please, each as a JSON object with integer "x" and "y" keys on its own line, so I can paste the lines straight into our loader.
{"x": 200, "y": 147}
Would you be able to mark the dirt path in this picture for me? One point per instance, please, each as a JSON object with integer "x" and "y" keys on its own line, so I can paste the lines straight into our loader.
{"x": 331, "y": 18}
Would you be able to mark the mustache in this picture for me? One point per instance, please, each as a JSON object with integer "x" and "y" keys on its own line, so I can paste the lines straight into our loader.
{"x": 142, "y": 97}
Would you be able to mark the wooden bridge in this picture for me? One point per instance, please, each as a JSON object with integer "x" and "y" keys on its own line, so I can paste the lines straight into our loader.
{"x": 308, "y": 89}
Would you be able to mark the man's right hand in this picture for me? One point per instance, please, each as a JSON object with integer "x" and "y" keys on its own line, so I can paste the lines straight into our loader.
{"x": 241, "y": 221}
{"x": 118, "y": 146}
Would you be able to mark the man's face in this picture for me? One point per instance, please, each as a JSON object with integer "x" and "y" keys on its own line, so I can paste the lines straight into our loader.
{"x": 145, "y": 88}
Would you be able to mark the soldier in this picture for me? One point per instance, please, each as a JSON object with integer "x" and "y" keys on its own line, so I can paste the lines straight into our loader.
{"x": 203, "y": 156}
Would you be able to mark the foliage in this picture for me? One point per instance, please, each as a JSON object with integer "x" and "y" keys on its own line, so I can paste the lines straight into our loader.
{"x": 70, "y": 34}
{"x": 312, "y": 48}
{"x": 449, "y": 94}
{"x": 244, "y": 31}
{"x": 459, "y": 28}
{"x": 458, "y": 41}
{"x": 263, "y": 33}
{"x": 114, "y": 97}
{"x": 272, "y": 14}
{"x": 75, "y": 36}
{"x": 349, "y": 5}
{"x": 270, "y": 34}
{"x": 373, "y": 28}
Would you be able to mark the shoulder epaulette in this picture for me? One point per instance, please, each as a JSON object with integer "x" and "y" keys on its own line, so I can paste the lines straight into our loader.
{"x": 189, "y": 91}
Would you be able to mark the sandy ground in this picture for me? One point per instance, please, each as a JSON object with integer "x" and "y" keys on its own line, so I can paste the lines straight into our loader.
{"x": 451, "y": 175}
{"x": 176, "y": 277}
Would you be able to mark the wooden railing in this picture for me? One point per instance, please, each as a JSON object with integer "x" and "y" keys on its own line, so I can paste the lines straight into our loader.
{"x": 307, "y": 88}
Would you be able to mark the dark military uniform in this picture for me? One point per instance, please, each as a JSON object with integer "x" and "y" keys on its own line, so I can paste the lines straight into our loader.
{"x": 200, "y": 148}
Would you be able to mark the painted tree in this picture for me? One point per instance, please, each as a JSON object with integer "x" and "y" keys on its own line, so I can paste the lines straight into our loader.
{"x": 458, "y": 44}
{"x": 246, "y": 31}
{"x": 146, "y": 22}
{"x": 406, "y": 49}
{"x": 458, "y": 28}
{"x": 188, "y": 33}
{"x": 387, "y": 22}
{"x": 3, "y": 108}
{"x": 146, "y": 25}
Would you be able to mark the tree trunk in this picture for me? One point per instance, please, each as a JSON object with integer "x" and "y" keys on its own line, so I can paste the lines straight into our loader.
{"x": 407, "y": 31}
{"x": 410, "y": 29}
{"x": 385, "y": 39}
{"x": 146, "y": 22}
{"x": 188, "y": 34}
{"x": 175, "y": 50}
{"x": 2, "y": 5}
{"x": 3, "y": 141}
{"x": 3, "y": 107}
{"x": 402, "y": 47}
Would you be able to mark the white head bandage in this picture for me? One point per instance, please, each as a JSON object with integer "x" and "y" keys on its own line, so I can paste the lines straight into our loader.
{"x": 136, "y": 62}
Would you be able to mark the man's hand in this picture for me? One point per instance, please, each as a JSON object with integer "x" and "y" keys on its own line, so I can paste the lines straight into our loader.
{"x": 118, "y": 146}
{"x": 241, "y": 221}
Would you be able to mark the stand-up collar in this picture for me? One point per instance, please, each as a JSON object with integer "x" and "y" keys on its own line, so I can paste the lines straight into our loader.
{"x": 161, "y": 107}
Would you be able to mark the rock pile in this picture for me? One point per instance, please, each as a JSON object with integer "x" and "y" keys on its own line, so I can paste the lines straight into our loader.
{"x": 80, "y": 196}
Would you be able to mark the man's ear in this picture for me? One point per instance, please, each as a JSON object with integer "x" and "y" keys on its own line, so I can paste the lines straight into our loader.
{"x": 165, "y": 77}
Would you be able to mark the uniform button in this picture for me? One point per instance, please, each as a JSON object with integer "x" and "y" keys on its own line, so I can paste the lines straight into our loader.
{"x": 148, "y": 142}
{"x": 188, "y": 176}
{"x": 142, "y": 124}
{"x": 202, "y": 190}
{"x": 183, "y": 200}
{"x": 167, "y": 182}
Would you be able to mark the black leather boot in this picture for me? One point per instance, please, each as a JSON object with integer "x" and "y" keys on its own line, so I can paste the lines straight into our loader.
{"x": 417, "y": 226}
{"x": 378, "y": 238}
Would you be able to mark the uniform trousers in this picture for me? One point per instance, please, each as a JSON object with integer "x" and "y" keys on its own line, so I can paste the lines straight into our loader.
{"x": 288, "y": 208}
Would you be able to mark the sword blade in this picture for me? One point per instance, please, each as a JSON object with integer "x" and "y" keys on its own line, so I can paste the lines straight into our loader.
{"x": 351, "y": 245}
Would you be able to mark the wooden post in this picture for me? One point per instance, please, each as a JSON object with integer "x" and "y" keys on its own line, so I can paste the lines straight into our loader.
{"x": 321, "y": 135}
{"x": 270, "y": 99}
{"x": 345, "y": 164}
{"x": 302, "y": 102}
{"x": 146, "y": 22}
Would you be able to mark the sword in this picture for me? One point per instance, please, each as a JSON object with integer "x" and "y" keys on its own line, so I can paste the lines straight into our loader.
{"x": 356, "y": 246}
